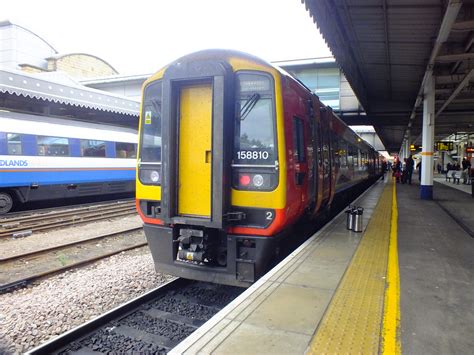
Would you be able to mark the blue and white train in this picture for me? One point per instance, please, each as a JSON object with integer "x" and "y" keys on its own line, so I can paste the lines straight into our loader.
{"x": 51, "y": 158}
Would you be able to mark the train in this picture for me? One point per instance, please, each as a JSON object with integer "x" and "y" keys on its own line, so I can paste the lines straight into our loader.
{"x": 233, "y": 152}
{"x": 46, "y": 158}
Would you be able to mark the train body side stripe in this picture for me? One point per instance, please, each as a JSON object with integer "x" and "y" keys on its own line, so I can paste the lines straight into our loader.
{"x": 42, "y": 170}
{"x": 65, "y": 176}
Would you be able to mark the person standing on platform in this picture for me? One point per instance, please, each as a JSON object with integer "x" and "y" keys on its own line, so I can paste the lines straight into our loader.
{"x": 418, "y": 166}
{"x": 410, "y": 165}
{"x": 384, "y": 169}
{"x": 397, "y": 170}
{"x": 466, "y": 168}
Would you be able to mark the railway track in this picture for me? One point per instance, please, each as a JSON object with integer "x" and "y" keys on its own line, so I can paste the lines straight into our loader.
{"x": 61, "y": 208}
{"x": 26, "y": 225}
{"x": 152, "y": 323}
{"x": 20, "y": 269}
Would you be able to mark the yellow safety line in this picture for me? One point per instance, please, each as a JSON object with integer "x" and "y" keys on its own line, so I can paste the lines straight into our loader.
{"x": 355, "y": 319}
{"x": 391, "y": 319}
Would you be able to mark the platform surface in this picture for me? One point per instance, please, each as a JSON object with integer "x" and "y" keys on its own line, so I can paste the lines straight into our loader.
{"x": 441, "y": 179}
{"x": 340, "y": 292}
{"x": 436, "y": 257}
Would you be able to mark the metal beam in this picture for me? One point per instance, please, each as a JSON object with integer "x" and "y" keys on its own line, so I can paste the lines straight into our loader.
{"x": 387, "y": 47}
{"x": 458, "y": 101}
{"x": 463, "y": 26}
{"x": 448, "y": 79}
{"x": 456, "y": 91}
{"x": 449, "y": 18}
{"x": 467, "y": 48}
{"x": 451, "y": 58}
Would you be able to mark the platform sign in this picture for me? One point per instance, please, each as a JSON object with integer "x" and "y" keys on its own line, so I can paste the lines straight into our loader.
{"x": 444, "y": 146}
{"x": 415, "y": 147}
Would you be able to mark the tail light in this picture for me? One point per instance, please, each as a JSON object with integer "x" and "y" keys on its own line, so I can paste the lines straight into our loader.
{"x": 253, "y": 181}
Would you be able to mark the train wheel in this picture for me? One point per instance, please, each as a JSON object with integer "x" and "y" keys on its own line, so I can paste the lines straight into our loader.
{"x": 6, "y": 202}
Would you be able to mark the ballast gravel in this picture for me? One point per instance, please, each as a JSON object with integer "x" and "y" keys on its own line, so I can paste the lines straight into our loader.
{"x": 33, "y": 315}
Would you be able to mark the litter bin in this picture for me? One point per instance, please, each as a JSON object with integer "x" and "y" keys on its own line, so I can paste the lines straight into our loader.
{"x": 357, "y": 222}
{"x": 349, "y": 217}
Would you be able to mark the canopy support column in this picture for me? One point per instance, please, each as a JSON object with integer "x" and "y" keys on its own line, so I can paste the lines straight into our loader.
{"x": 426, "y": 190}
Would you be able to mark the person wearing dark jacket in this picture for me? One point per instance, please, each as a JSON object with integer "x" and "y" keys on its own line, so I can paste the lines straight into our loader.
{"x": 418, "y": 166}
{"x": 410, "y": 165}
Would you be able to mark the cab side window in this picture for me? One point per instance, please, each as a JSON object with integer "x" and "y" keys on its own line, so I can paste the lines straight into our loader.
{"x": 298, "y": 140}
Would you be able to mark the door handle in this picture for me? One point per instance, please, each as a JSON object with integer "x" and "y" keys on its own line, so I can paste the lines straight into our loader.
{"x": 208, "y": 156}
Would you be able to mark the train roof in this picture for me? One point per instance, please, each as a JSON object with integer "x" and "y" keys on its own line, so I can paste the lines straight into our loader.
{"x": 14, "y": 122}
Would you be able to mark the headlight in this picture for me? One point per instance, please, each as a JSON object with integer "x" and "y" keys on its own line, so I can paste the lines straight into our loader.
{"x": 258, "y": 180}
{"x": 150, "y": 176}
{"x": 155, "y": 176}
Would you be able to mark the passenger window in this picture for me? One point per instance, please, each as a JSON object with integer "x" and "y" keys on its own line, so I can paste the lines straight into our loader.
{"x": 53, "y": 146}
{"x": 126, "y": 150}
{"x": 14, "y": 144}
{"x": 92, "y": 148}
{"x": 298, "y": 140}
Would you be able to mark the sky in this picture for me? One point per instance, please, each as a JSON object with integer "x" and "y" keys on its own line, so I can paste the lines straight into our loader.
{"x": 141, "y": 36}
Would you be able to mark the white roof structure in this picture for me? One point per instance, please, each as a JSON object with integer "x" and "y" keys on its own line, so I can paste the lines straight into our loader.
{"x": 64, "y": 91}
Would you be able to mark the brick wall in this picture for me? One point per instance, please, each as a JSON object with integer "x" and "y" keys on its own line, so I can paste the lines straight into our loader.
{"x": 81, "y": 66}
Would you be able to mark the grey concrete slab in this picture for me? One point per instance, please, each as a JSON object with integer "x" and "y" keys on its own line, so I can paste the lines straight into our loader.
{"x": 436, "y": 258}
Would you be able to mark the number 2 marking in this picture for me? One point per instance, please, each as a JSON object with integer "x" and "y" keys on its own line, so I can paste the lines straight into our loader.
{"x": 269, "y": 216}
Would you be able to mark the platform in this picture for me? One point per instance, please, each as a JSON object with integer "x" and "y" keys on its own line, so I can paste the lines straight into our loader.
{"x": 340, "y": 292}
{"x": 441, "y": 179}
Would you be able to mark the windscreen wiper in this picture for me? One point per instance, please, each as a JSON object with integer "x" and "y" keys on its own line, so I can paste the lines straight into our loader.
{"x": 249, "y": 105}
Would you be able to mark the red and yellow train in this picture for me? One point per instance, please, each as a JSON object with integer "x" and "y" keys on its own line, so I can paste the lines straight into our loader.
{"x": 233, "y": 152}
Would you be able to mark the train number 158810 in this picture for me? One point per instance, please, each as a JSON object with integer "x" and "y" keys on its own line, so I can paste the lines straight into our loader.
{"x": 252, "y": 155}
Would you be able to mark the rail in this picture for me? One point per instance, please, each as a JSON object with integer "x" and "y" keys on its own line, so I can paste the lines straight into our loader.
{"x": 49, "y": 257}
{"x": 152, "y": 323}
{"x": 27, "y": 225}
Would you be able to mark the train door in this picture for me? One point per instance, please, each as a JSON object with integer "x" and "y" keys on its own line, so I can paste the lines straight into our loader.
{"x": 312, "y": 156}
{"x": 301, "y": 164}
{"x": 196, "y": 123}
{"x": 325, "y": 155}
{"x": 195, "y": 151}
{"x": 317, "y": 149}
{"x": 334, "y": 165}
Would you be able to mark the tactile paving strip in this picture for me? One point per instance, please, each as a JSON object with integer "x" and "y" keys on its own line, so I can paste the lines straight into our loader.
{"x": 353, "y": 321}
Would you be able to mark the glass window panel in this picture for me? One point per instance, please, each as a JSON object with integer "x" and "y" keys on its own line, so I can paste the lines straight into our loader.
{"x": 126, "y": 150}
{"x": 53, "y": 146}
{"x": 298, "y": 140}
{"x": 150, "y": 150}
{"x": 255, "y": 125}
{"x": 14, "y": 144}
{"x": 92, "y": 148}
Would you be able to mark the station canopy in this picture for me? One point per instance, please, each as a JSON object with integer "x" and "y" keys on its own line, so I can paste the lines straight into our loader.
{"x": 388, "y": 48}
{"x": 60, "y": 96}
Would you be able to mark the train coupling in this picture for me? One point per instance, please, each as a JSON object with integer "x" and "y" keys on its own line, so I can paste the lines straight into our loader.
{"x": 198, "y": 246}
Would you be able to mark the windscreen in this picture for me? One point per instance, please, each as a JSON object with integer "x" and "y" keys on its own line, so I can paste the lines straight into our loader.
{"x": 150, "y": 148}
{"x": 255, "y": 123}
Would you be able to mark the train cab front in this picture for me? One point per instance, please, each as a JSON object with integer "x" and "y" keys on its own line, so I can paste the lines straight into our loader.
{"x": 209, "y": 181}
